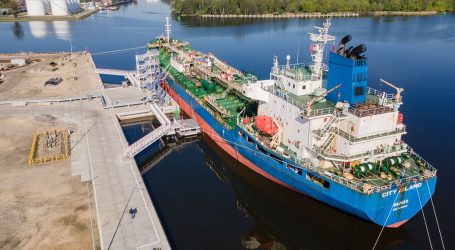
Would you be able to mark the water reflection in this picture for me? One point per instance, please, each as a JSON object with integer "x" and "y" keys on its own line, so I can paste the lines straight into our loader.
{"x": 62, "y": 29}
{"x": 38, "y": 29}
{"x": 18, "y": 31}
{"x": 287, "y": 220}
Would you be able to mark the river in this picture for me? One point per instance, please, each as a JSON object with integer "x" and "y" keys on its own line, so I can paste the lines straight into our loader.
{"x": 208, "y": 201}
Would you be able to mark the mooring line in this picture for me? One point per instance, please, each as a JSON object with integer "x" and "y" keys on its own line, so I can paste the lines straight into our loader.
{"x": 435, "y": 216}
{"x": 385, "y": 222}
{"x": 117, "y": 51}
{"x": 424, "y": 219}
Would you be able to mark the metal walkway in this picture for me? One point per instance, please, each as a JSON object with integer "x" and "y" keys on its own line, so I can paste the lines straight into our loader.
{"x": 181, "y": 128}
{"x": 153, "y": 136}
{"x": 114, "y": 72}
{"x": 128, "y": 74}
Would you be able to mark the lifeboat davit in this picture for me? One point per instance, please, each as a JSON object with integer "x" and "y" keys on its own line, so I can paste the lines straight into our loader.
{"x": 266, "y": 125}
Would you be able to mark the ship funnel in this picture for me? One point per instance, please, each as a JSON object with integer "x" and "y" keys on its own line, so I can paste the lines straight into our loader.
{"x": 343, "y": 42}
{"x": 356, "y": 52}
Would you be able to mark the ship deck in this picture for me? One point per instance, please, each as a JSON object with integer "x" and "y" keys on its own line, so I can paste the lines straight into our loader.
{"x": 300, "y": 101}
{"x": 212, "y": 92}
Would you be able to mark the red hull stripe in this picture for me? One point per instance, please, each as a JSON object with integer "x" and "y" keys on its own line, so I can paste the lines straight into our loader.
{"x": 398, "y": 224}
{"x": 217, "y": 139}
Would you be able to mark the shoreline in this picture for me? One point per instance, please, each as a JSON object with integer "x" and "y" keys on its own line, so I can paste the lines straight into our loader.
{"x": 320, "y": 15}
{"x": 25, "y": 18}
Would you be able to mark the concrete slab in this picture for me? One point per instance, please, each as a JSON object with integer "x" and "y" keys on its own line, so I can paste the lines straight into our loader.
{"x": 117, "y": 183}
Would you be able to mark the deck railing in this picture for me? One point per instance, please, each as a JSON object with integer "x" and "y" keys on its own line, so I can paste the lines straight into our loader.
{"x": 365, "y": 138}
{"x": 316, "y": 112}
{"x": 369, "y": 112}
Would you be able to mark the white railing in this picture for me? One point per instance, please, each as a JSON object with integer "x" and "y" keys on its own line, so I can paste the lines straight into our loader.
{"x": 147, "y": 140}
{"x": 378, "y": 93}
{"x": 317, "y": 112}
{"x": 369, "y": 112}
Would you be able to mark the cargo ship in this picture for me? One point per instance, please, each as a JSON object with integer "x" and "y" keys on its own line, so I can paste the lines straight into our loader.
{"x": 315, "y": 128}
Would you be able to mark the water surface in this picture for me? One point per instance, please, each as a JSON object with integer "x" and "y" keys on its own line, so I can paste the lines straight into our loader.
{"x": 208, "y": 201}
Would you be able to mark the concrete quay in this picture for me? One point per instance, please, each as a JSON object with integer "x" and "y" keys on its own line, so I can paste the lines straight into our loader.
{"x": 97, "y": 147}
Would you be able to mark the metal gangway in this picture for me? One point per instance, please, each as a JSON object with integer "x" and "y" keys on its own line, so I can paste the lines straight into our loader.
{"x": 153, "y": 136}
{"x": 128, "y": 74}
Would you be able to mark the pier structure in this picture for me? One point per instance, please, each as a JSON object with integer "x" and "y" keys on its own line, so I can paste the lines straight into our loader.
{"x": 97, "y": 144}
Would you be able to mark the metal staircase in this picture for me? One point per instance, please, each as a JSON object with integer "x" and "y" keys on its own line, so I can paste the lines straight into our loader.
{"x": 327, "y": 127}
{"x": 327, "y": 143}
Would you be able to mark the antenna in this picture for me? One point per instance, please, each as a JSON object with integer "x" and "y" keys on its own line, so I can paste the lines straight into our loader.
{"x": 275, "y": 64}
{"x": 319, "y": 41}
{"x": 288, "y": 62}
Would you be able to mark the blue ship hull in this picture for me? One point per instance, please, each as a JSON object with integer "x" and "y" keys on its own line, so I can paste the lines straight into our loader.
{"x": 391, "y": 207}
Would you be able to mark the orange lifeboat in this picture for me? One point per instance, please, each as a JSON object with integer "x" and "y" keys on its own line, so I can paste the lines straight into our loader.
{"x": 266, "y": 125}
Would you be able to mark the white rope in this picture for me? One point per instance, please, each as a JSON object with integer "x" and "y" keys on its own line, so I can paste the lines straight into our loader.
{"x": 424, "y": 220}
{"x": 116, "y": 51}
{"x": 435, "y": 216}
{"x": 385, "y": 222}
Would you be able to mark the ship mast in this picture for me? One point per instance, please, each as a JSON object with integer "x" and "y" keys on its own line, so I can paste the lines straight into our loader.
{"x": 167, "y": 30}
{"x": 317, "y": 49}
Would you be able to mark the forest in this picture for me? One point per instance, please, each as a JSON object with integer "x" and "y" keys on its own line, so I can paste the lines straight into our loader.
{"x": 250, "y": 7}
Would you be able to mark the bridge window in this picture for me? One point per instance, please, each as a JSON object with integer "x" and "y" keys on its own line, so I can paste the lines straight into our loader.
{"x": 317, "y": 180}
{"x": 241, "y": 133}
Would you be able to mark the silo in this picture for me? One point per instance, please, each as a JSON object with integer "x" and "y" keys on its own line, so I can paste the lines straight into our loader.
{"x": 69, "y": 3}
{"x": 91, "y": 5}
{"x": 38, "y": 28}
{"x": 59, "y": 7}
{"x": 78, "y": 5}
{"x": 47, "y": 6}
{"x": 35, "y": 8}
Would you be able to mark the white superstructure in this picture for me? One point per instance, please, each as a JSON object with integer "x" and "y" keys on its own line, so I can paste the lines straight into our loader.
{"x": 329, "y": 134}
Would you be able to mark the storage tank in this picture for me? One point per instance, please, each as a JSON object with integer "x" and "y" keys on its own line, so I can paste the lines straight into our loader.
{"x": 70, "y": 5}
{"x": 59, "y": 7}
{"x": 47, "y": 7}
{"x": 91, "y": 5}
{"x": 35, "y": 8}
{"x": 78, "y": 5}
{"x": 38, "y": 28}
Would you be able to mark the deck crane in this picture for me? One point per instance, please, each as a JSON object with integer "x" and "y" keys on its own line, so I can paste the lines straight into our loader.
{"x": 318, "y": 98}
{"x": 399, "y": 90}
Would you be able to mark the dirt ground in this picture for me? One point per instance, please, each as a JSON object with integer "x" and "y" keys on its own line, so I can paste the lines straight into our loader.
{"x": 41, "y": 207}
{"x": 28, "y": 81}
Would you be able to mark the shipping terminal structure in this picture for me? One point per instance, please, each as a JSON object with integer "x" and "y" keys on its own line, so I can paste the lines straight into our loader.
{"x": 315, "y": 128}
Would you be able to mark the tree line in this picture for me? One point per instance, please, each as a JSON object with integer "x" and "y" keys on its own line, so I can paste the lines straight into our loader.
{"x": 10, "y": 4}
{"x": 251, "y": 7}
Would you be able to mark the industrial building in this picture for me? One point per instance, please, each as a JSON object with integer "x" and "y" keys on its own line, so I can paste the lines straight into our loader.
{"x": 52, "y": 7}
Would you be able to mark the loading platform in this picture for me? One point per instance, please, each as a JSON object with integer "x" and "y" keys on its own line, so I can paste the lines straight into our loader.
{"x": 181, "y": 128}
